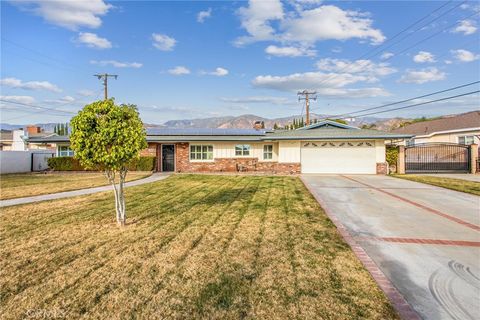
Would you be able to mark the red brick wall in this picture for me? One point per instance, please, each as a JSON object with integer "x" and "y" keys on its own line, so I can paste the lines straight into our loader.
{"x": 150, "y": 151}
{"x": 183, "y": 164}
{"x": 382, "y": 168}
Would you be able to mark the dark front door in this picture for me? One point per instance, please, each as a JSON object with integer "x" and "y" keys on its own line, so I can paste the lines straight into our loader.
{"x": 168, "y": 157}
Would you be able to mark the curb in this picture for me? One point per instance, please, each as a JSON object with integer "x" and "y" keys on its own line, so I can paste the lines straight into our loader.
{"x": 401, "y": 305}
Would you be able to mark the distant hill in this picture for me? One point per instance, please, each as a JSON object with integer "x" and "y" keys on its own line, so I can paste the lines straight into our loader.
{"x": 246, "y": 121}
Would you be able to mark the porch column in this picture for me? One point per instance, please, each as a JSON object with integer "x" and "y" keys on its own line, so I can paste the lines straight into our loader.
{"x": 473, "y": 157}
{"x": 401, "y": 160}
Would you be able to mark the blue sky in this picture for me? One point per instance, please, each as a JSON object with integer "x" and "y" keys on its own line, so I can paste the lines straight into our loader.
{"x": 180, "y": 60}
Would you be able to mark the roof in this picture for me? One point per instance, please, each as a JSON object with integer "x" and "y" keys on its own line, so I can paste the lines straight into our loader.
{"x": 328, "y": 124}
{"x": 314, "y": 132}
{"x": 325, "y": 133}
{"x": 467, "y": 120}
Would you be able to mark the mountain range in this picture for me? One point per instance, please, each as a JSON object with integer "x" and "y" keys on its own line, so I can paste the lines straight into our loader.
{"x": 245, "y": 121}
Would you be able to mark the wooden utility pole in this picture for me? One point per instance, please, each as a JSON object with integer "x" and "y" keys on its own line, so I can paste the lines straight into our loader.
{"x": 307, "y": 95}
{"x": 104, "y": 77}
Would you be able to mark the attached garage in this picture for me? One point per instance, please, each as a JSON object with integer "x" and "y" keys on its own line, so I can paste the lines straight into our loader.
{"x": 349, "y": 157}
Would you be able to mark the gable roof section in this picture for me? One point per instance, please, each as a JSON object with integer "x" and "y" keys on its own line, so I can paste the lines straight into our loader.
{"x": 325, "y": 133}
{"x": 467, "y": 120}
{"x": 327, "y": 124}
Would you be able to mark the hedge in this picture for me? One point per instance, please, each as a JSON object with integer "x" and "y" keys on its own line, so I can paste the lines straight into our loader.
{"x": 71, "y": 164}
{"x": 392, "y": 155}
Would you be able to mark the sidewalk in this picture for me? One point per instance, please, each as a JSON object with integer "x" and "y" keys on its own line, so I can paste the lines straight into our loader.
{"x": 53, "y": 196}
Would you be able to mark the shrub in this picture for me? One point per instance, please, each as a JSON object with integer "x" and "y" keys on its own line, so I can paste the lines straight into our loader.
{"x": 72, "y": 164}
{"x": 391, "y": 155}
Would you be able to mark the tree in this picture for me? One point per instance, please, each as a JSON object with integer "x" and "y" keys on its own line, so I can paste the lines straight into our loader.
{"x": 275, "y": 126}
{"x": 107, "y": 136}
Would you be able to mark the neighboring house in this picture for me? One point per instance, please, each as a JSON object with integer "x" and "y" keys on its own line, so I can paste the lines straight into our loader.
{"x": 463, "y": 128}
{"x": 324, "y": 147}
{"x": 12, "y": 140}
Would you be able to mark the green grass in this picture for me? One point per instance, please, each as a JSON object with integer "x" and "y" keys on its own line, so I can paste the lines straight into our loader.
{"x": 34, "y": 184}
{"x": 195, "y": 247}
{"x": 449, "y": 183}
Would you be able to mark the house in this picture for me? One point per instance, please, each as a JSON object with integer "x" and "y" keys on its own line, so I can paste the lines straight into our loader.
{"x": 12, "y": 140}
{"x": 324, "y": 147}
{"x": 462, "y": 128}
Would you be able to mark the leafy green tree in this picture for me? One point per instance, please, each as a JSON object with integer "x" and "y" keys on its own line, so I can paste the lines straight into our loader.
{"x": 275, "y": 126}
{"x": 108, "y": 136}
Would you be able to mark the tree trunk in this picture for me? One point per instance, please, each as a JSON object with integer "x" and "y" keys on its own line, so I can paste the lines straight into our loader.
{"x": 118, "y": 192}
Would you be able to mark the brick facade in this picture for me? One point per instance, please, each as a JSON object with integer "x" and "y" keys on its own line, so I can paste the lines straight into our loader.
{"x": 382, "y": 168}
{"x": 150, "y": 151}
{"x": 183, "y": 164}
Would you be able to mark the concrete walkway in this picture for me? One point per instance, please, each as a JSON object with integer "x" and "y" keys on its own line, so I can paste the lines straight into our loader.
{"x": 462, "y": 176}
{"x": 53, "y": 196}
{"x": 423, "y": 240}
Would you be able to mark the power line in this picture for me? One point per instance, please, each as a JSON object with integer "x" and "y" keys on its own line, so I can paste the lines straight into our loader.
{"x": 105, "y": 77}
{"x": 406, "y": 100}
{"x": 35, "y": 106}
{"x": 307, "y": 96}
{"x": 417, "y": 104}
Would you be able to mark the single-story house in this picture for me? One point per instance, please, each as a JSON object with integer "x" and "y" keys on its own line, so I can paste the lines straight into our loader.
{"x": 462, "y": 128}
{"x": 324, "y": 147}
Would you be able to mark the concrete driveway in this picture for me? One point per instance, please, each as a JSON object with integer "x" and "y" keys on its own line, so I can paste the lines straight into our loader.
{"x": 425, "y": 239}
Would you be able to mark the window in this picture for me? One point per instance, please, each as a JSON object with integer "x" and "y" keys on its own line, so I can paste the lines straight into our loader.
{"x": 65, "y": 151}
{"x": 242, "y": 150}
{"x": 268, "y": 152}
{"x": 201, "y": 152}
{"x": 468, "y": 140}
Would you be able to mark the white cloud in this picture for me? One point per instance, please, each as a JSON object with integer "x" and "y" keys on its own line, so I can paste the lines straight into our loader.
{"x": 85, "y": 93}
{"x": 66, "y": 13}
{"x": 466, "y": 27}
{"x": 259, "y": 99}
{"x": 219, "y": 72}
{"x": 289, "y": 51}
{"x": 117, "y": 64}
{"x": 163, "y": 42}
{"x": 256, "y": 18}
{"x": 179, "y": 70}
{"x": 365, "y": 67}
{"x": 422, "y": 75}
{"x": 63, "y": 100}
{"x": 424, "y": 56}
{"x": 386, "y": 55}
{"x": 203, "y": 15}
{"x": 91, "y": 40}
{"x": 20, "y": 99}
{"x": 465, "y": 55}
{"x": 306, "y": 26}
{"x": 29, "y": 85}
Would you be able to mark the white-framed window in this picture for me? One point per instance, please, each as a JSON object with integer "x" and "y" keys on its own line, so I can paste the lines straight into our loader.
{"x": 268, "y": 152}
{"x": 65, "y": 151}
{"x": 201, "y": 152}
{"x": 242, "y": 150}
{"x": 468, "y": 140}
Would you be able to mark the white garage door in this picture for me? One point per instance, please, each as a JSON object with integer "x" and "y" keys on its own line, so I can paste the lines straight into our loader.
{"x": 338, "y": 157}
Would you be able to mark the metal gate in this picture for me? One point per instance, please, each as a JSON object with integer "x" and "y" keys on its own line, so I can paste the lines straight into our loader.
{"x": 40, "y": 161}
{"x": 437, "y": 157}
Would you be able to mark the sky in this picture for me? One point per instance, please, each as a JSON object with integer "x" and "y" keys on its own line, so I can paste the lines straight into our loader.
{"x": 196, "y": 59}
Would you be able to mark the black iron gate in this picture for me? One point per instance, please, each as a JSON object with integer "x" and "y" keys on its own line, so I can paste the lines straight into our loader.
{"x": 437, "y": 157}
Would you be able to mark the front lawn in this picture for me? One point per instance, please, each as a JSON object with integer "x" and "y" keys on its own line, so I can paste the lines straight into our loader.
{"x": 449, "y": 183}
{"x": 34, "y": 184}
{"x": 196, "y": 246}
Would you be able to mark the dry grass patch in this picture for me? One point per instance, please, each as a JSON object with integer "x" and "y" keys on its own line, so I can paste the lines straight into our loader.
{"x": 197, "y": 246}
{"x": 449, "y": 183}
{"x": 34, "y": 184}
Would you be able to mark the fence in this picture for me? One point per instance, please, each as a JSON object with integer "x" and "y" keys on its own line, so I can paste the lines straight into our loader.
{"x": 24, "y": 161}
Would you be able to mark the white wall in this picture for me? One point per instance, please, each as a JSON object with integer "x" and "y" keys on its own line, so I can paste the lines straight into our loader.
{"x": 289, "y": 151}
{"x": 17, "y": 142}
{"x": 17, "y": 161}
{"x": 380, "y": 151}
{"x": 227, "y": 149}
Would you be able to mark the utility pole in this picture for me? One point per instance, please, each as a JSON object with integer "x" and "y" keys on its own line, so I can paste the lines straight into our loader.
{"x": 105, "y": 81}
{"x": 307, "y": 95}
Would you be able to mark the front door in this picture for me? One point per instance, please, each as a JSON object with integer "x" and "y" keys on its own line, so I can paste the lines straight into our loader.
{"x": 168, "y": 157}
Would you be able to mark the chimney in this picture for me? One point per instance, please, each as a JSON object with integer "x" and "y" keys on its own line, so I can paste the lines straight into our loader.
{"x": 258, "y": 125}
{"x": 33, "y": 129}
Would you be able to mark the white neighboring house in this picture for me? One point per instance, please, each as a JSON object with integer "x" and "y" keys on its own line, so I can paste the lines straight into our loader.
{"x": 13, "y": 141}
{"x": 462, "y": 128}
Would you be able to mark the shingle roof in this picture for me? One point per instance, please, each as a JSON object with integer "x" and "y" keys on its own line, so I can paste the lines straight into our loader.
{"x": 204, "y": 132}
{"x": 457, "y": 122}
{"x": 332, "y": 133}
